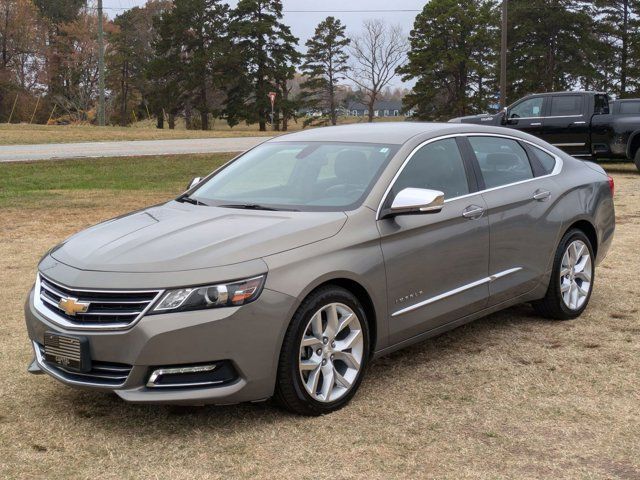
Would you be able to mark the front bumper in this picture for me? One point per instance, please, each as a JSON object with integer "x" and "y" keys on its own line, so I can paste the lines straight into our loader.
{"x": 249, "y": 337}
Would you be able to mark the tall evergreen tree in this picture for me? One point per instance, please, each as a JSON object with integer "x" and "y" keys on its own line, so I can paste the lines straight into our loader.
{"x": 618, "y": 22}
{"x": 453, "y": 59}
{"x": 550, "y": 45}
{"x": 57, "y": 13}
{"x": 267, "y": 53}
{"x": 325, "y": 65}
{"x": 192, "y": 50}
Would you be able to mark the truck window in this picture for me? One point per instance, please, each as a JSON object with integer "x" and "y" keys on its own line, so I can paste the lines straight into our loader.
{"x": 532, "y": 107}
{"x": 565, "y": 105}
{"x": 630, "y": 107}
{"x": 601, "y": 105}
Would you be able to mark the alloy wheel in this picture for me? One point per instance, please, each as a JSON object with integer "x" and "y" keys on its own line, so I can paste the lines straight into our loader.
{"x": 331, "y": 352}
{"x": 575, "y": 275}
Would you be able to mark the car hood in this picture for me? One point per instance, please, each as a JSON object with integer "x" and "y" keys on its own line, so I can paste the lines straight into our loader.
{"x": 179, "y": 236}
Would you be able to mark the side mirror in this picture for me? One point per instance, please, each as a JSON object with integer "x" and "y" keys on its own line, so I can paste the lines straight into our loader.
{"x": 416, "y": 201}
{"x": 505, "y": 116}
{"x": 194, "y": 182}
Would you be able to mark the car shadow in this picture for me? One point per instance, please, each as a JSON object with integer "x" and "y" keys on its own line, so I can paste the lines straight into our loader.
{"x": 107, "y": 412}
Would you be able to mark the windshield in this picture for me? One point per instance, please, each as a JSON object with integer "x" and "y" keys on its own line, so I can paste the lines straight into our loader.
{"x": 307, "y": 176}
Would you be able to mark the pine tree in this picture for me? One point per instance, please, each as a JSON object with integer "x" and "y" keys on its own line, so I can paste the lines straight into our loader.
{"x": 550, "y": 46}
{"x": 267, "y": 54}
{"x": 325, "y": 65}
{"x": 453, "y": 59}
{"x": 192, "y": 54}
{"x": 618, "y": 22}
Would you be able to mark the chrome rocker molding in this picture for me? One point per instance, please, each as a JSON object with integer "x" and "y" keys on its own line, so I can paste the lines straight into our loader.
{"x": 60, "y": 321}
{"x": 456, "y": 291}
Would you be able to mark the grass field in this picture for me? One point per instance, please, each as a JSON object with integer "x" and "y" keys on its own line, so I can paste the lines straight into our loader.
{"x": 21, "y": 134}
{"x": 41, "y": 184}
{"x": 508, "y": 396}
{"x": 24, "y": 134}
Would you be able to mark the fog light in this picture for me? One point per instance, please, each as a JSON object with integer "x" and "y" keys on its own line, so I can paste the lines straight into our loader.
{"x": 192, "y": 375}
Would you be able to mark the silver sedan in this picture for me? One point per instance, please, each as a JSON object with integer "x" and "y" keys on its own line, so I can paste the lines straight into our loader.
{"x": 284, "y": 272}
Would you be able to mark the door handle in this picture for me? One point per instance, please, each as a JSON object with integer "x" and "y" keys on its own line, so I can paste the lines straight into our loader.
{"x": 579, "y": 123}
{"x": 541, "y": 195}
{"x": 536, "y": 124}
{"x": 473, "y": 211}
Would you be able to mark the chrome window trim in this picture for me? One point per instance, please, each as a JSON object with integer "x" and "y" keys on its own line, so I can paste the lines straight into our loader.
{"x": 549, "y": 116}
{"x": 60, "y": 321}
{"x": 569, "y": 144}
{"x": 455, "y": 291}
{"x": 556, "y": 169}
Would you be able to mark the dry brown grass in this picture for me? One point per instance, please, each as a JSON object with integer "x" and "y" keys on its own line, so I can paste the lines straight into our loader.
{"x": 508, "y": 396}
{"x": 22, "y": 134}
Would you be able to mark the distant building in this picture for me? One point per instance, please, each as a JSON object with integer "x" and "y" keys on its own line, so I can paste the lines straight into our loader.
{"x": 382, "y": 108}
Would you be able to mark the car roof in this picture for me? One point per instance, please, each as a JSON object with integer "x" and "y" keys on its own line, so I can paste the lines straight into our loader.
{"x": 396, "y": 133}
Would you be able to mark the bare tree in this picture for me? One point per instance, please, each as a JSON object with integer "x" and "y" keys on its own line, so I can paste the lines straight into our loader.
{"x": 376, "y": 54}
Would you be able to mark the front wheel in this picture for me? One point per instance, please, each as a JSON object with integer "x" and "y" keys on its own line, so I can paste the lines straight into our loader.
{"x": 571, "y": 280}
{"x": 636, "y": 159}
{"x": 324, "y": 353}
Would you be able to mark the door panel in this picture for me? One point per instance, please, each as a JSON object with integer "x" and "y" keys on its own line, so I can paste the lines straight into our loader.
{"x": 566, "y": 126}
{"x": 523, "y": 235}
{"x": 428, "y": 257}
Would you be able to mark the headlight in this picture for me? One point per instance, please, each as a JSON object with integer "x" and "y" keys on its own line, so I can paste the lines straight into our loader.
{"x": 210, "y": 296}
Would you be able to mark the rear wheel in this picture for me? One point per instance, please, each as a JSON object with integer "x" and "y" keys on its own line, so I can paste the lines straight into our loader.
{"x": 324, "y": 353}
{"x": 636, "y": 159}
{"x": 571, "y": 280}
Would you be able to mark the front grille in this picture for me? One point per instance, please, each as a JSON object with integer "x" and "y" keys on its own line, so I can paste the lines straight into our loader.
{"x": 106, "y": 308}
{"x": 101, "y": 373}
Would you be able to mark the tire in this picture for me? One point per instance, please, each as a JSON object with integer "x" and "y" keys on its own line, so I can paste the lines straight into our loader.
{"x": 560, "y": 302}
{"x": 636, "y": 159}
{"x": 320, "y": 377}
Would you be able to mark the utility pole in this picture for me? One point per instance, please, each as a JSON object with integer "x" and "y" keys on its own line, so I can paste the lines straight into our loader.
{"x": 503, "y": 57}
{"x": 101, "y": 120}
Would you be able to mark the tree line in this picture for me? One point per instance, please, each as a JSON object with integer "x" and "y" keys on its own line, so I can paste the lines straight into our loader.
{"x": 553, "y": 45}
{"x": 202, "y": 60}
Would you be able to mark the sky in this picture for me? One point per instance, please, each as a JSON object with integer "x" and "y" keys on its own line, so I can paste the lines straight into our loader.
{"x": 303, "y": 15}
{"x": 303, "y": 23}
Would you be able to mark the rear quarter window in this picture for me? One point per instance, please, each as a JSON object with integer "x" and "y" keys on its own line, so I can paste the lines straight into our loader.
{"x": 548, "y": 162}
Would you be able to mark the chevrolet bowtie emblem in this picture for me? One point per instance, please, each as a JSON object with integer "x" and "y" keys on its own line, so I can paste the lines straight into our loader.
{"x": 71, "y": 305}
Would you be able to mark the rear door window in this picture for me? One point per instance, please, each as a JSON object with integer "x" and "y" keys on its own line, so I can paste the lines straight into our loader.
{"x": 502, "y": 160}
{"x": 566, "y": 105}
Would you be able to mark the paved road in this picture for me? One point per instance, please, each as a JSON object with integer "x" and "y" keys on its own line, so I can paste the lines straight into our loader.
{"x": 58, "y": 151}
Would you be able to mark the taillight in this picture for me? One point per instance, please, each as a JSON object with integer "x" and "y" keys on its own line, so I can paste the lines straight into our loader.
{"x": 612, "y": 185}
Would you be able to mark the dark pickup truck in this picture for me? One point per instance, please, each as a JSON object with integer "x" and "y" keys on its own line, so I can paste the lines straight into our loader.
{"x": 584, "y": 124}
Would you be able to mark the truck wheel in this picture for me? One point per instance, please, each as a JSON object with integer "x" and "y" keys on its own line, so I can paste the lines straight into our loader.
{"x": 636, "y": 159}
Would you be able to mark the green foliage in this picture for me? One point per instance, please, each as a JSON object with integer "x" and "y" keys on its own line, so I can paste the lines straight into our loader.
{"x": 617, "y": 31}
{"x": 325, "y": 65}
{"x": 550, "y": 46}
{"x": 266, "y": 50}
{"x": 192, "y": 54}
{"x": 59, "y": 11}
{"x": 453, "y": 59}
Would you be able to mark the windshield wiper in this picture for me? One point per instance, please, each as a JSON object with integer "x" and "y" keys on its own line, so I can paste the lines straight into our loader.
{"x": 188, "y": 199}
{"x": 256, "y": 206}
